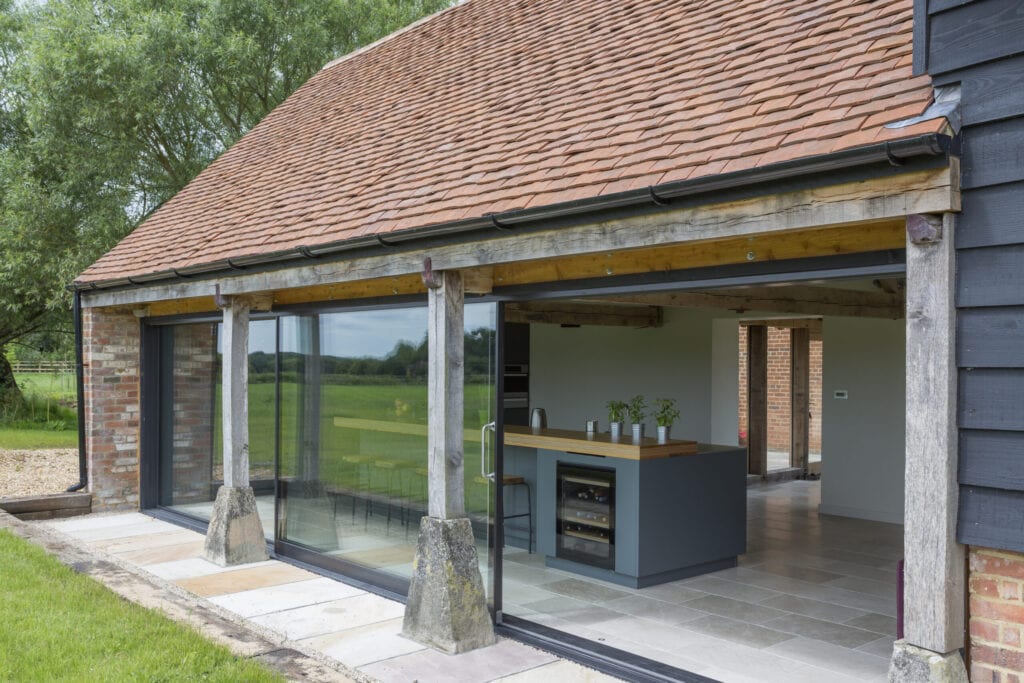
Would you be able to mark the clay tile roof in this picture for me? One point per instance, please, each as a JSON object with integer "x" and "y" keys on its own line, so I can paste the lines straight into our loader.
{"x": 495, "y": 105}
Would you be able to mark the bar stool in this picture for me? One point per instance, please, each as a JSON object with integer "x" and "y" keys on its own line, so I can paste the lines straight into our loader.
{"x": 394, "y": 485}
{"x": 361, "y": 469}
{"x": 515, "y": 480}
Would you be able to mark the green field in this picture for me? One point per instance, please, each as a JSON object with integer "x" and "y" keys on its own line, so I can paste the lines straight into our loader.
{"x": 58, "y": 386}
{"x": 63, "y": 626}
{"x": 45, "y": 418}
{"x": 395, "y": 409}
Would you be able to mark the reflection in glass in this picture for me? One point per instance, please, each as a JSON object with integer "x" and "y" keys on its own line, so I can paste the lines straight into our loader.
{"x": 353, "y": 416}
{"x": 191, "y": 452}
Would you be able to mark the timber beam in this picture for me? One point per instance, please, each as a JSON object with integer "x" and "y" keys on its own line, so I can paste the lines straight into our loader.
{"x": 576, "y": 314}
{"x": 862, "y": 205}
{"x": 796, "y": 299}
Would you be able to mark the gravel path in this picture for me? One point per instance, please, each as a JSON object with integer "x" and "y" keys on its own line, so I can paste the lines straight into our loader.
{"x": 37, "y": 472}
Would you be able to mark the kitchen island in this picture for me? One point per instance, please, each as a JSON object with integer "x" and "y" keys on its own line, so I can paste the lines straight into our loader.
{"x": 635, "y": 514}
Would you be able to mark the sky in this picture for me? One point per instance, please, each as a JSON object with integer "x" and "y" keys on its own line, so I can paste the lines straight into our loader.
{"x": 359, "y": 334}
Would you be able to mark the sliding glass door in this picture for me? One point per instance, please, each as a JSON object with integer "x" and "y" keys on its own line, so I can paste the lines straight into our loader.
{"x": 352, "y": 478}
{"x": 337, "y": 431}
{"x": 189, "y": 415}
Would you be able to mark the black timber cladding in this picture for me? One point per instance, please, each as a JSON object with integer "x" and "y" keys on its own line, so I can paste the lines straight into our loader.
{"x": 979, "y": 44}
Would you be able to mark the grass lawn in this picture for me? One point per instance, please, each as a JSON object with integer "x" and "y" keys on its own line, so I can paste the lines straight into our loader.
{"x": 28, "y": 439}
{"x": 61, "y": 626}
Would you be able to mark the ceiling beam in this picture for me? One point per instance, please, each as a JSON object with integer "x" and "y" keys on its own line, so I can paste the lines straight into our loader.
{"x": 575, "y": 314}
{"x": 798, "y": 300}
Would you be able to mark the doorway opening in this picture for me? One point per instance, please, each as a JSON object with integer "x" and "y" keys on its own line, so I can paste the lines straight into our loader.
{"x": 785, "y": 380}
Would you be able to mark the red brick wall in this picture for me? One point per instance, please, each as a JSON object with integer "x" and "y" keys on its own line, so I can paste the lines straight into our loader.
{"x": 996, "y": 582}
{"x": 779, "y": 420}
{"x": 815, "y": 389}
{"x": 111, "y": 370}
{"x": 779, "y": 403}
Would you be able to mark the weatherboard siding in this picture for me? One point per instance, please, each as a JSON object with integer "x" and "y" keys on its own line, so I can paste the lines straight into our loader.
{"x": 977, "y": 43}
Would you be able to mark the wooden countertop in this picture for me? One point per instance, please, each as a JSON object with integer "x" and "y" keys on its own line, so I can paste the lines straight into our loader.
{"x": 596, "y": 444}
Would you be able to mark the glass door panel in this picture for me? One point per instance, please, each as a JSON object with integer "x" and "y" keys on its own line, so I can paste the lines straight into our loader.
{"x": 191, "y": 445}
{"x": 353, "y": 437}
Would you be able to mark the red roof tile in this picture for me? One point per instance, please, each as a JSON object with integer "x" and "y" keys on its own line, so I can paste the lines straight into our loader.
{"x": 495, "y": 105}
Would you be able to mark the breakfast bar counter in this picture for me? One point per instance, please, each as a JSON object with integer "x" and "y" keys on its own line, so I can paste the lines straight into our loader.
{"x": 632, "y": 514}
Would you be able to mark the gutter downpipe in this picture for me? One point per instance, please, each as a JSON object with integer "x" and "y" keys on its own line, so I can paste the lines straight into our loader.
{"x": 83, "y": 474}
{"x": 896, "y": 153}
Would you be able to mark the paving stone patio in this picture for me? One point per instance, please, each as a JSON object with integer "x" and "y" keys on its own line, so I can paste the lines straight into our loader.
{"x": 305, "y": 611}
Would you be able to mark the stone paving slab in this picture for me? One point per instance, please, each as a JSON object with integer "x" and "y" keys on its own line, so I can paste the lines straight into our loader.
{"x": 326, "y": 617}
{"x": 163, "y": 553}
{"x": 287, "y": 596}
{"x": 486, "y": 664}
{"x": 288, "y": 618}
{"x": 367, "y": 644}
{"x": 237, "y": 580}
{"x": 150, "y": 541}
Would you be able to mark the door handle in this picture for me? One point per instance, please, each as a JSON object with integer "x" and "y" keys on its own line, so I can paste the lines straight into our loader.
{"x": 483, "y": 450}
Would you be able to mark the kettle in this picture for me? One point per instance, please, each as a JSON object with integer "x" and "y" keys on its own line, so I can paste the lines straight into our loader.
{"x": 538, "y": 419}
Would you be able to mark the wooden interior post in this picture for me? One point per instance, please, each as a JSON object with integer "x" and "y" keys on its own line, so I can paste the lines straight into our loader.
{"x": 757, "y": 399}
{"x": 934, "y": 561}
{"x": 235, "y": 392}
{"x": 444, "y": 405}
{"x": 800, "y": 396}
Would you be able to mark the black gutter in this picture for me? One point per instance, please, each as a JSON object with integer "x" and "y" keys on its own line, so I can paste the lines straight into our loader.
{"x": 83, "y": 473}
{"x": 895, "y": 153}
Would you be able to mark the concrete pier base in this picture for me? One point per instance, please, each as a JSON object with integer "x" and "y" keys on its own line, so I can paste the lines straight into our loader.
{"x": 235, "y": 535}
{"x": 911, "y": 664}
{"x": 447, "y": 606}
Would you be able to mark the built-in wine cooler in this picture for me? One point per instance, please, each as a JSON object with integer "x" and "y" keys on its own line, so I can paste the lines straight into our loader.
{"x": 586, "y": 515}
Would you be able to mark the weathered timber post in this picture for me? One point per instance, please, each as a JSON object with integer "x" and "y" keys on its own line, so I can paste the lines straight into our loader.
{"x": 800, "y": 397}
{"x": 447, "y": 607}
{"x": 757, "y": 399}
{"x": 934, "y": 562}
{"x": 235, "y": 535}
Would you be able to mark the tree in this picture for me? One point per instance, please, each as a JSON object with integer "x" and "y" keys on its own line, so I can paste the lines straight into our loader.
{"x": 109, "y": 107}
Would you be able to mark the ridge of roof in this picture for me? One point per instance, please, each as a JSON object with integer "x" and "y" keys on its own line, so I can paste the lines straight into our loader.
{"x": 496, "y": 105}
{"x": 394, "y": 34}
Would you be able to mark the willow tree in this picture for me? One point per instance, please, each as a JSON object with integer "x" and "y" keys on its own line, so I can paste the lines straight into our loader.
{"x": 109, "y": 107}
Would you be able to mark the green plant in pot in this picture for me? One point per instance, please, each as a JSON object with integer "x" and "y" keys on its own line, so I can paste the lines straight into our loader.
{"x": 616, "y": 414}
{"x": 665, "y": 413}
{"x": 636, "y": 408}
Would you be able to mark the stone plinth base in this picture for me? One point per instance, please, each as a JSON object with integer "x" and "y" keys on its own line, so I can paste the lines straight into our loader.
{"x": 235, "y": 535}
{"x": 912, "y": 664}
{"x": 447, "y": 607}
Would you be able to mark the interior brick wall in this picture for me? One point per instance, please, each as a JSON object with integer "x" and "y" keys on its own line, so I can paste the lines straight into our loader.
{"x": 996, "y": 586}
{"x": 110, "y": 356}
{"x": 779, "y": 403}
{"x": 779, "y": 419}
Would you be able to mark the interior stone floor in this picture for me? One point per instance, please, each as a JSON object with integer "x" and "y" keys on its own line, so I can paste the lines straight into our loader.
{"x": 813, "y": 600}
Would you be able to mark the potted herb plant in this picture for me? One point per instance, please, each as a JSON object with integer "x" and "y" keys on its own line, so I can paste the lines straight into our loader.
{"x": 636, "y": 408}
{"x": 665, "y": 413}
{"x": 616, "y": 414}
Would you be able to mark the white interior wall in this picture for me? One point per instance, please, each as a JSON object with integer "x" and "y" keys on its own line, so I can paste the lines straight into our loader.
{"x": 575, "y": 371}
{"x": 863, "y": 436}
{"x": 725, "y": 382}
